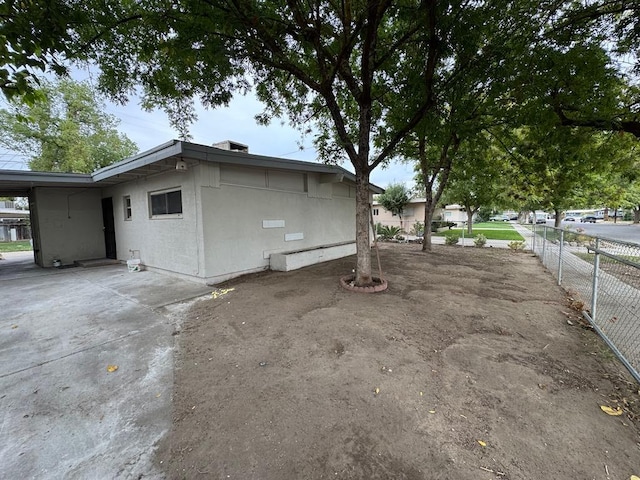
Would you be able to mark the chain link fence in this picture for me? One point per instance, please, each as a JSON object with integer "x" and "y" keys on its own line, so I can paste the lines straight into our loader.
{"x": 603, "y": 277}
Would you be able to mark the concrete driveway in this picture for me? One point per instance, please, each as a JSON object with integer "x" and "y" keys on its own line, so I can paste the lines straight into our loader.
{"x": 62, "y": 414}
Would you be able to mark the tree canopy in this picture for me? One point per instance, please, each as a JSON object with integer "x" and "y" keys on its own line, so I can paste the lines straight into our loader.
{"x": 35, "y": 37}
{"x": 66, "y": 131}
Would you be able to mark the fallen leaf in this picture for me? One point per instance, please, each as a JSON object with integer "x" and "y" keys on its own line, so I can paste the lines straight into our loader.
{"x": 221, "y": 292}
{"x": 14, "y": 326}
{"x": 421, "y": 393}
{"x": 377, "y": 391}
{"x": 112, "y": 368}
{"x": 616, "y": 412}
{"x": 432, "y": 411}
{"x": 634, "y": 477}
{"x": 482, "y": 444}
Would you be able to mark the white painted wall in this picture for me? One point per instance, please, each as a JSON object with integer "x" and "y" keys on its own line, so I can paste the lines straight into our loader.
{"x": 233, "y": 219}
{"x": 167, "y": 243}
{"x": 243, "y": 214}
{"x": 70, "y": 224}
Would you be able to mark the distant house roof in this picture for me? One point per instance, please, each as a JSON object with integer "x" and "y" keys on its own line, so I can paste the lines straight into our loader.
{"x": 158, "y": 159}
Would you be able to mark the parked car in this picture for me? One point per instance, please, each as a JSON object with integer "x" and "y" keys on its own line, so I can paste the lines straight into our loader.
{"x": 588, "y": 219}
{"x": 499, "y": 218}
{"x": 569, "y": 219}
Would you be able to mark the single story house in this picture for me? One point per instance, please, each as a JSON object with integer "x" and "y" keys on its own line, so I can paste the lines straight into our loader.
{"x": 414, "y": 212}
{"x": 14, "y": 223}
{"x": 207, "y": 213}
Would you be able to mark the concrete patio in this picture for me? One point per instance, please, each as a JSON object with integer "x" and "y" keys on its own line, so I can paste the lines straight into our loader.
{"x": 62, "y": 414}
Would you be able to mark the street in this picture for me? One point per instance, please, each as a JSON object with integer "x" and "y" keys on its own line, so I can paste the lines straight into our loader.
{"x": 624, "y": 232}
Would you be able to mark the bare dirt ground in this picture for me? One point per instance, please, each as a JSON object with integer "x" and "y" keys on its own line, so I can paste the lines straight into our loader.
{"x": 466, "y": 368}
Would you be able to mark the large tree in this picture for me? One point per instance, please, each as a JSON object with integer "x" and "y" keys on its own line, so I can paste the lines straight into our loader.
{"x": 364, "y": 73}
{"x": 67, "y": 130}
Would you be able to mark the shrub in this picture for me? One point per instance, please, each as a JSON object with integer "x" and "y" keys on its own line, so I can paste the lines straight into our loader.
{"x": 417, "y": 229}
{"x": 517, "y": 246}
{"x": 451, "y": 238}
{"x": 389, "y": 232}
{"x": 480, "y": 241}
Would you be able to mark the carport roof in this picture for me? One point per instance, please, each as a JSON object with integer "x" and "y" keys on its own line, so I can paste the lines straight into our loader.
{"x": 158, "y": 159}
{"x": 17, "y": 183}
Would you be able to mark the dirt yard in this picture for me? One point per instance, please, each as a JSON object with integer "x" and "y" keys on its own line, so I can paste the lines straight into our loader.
{"x": 466, "y": 368}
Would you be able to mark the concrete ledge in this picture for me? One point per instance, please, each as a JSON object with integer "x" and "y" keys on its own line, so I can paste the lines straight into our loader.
{"x": 284, "y": 262}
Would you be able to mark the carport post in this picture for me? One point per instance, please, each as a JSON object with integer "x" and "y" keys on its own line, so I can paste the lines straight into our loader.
{"x": 560, "y": 258}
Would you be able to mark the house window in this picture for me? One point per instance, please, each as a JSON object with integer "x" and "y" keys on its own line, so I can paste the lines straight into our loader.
{"x": 126, "y": 200}
{"x": 375, "y": 211}
{"x": 166, "y": 203}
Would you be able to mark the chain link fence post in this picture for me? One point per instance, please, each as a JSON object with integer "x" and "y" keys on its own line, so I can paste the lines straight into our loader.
{"x": 560, "y": 257}
{"x": 594, "y": 288}
{"x": 533, "y": 239}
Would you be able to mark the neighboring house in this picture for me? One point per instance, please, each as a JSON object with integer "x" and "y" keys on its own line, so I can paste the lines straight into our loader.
{"x": 414, "y": 212}
{"x": 202, "y": 212}
{"x": 456, "y": 213}
{"x": 14, "y": 223}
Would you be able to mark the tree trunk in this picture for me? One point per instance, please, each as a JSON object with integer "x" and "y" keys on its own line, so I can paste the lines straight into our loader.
{"x": 558, "y": 221}
{"x": 636, "y": 214}
{"x": 363, "y": 222}
{"x": 428, "y": 218}
{"x": 470, "y": 213}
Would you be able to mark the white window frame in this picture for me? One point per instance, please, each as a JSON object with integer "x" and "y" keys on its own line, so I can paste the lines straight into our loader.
{"x": 128, "y": 210}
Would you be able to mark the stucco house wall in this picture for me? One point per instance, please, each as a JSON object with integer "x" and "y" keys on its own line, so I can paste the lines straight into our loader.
{"x": 233, "y": 218}
{"x": 251, "y": 213}
{"x": 167, "y": 242}
{"x": 69, "y": 224}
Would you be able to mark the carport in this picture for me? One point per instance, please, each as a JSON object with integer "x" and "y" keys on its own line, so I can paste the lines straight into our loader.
{"x": 62, "y": 413}
{"x": 65, "y": 213}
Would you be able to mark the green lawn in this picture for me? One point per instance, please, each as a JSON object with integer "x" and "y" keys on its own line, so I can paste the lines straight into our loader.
{"x": 21, "y": 246}
{"x": 493, "y": 225}
{"x": 491, "y": 234}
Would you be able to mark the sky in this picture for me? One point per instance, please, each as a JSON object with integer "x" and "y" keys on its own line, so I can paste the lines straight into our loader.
{"x": 235, "y": 122}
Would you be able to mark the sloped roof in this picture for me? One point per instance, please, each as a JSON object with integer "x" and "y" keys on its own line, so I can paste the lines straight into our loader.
{"x": 17, "y": 183}
{"x": 158, "y": 159}
{"x": 164, "y": 157}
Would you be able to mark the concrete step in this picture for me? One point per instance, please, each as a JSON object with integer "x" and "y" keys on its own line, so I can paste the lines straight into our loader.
{"x": 96, "y": 262}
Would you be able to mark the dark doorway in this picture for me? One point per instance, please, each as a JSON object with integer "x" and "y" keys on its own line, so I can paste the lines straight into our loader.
{"x": 109, "y": 228}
